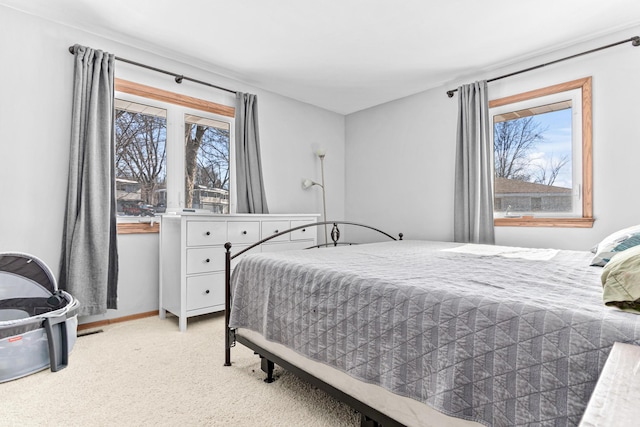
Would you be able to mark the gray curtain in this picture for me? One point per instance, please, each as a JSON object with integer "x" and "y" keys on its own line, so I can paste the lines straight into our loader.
{"x": 249, "y": 183}
{"x": 89, "y": 261}
{"x": 473, "y": 205}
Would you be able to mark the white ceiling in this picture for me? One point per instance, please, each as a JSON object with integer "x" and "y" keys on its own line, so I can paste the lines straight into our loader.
{"x": 343, "y": 55}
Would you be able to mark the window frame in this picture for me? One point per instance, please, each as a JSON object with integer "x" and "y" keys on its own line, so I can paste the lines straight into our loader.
{"x": 586, "y": 220}
{"x": 575, "y": 97}
{"x": 187, "y": 105}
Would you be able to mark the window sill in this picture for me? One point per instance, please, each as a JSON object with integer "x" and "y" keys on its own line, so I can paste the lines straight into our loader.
{"x": 544, "y": 222}
{"x": 138, "y": 228}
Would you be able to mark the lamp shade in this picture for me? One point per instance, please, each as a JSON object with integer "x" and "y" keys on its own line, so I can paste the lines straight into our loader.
{"x": 306, "y": 183}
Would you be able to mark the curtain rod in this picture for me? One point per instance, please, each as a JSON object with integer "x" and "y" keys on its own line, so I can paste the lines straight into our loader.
{"x": 178, "y": 77}
{"x": 635, "y": 41}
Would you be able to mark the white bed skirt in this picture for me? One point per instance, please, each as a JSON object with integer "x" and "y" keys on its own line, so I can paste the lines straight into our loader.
{"x": 405, "y": 410}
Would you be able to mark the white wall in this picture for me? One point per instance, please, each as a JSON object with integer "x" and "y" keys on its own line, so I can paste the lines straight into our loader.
{"x": 35, "y": 109}
{"x": 399, "y": 166}
{"x": 400, "y": 155}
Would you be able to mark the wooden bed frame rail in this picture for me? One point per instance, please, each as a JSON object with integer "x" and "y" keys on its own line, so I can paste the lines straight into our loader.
{"x": 369, "y": 416}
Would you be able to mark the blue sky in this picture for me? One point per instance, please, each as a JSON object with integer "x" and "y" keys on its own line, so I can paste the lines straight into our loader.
{"x": 557, "y": 143}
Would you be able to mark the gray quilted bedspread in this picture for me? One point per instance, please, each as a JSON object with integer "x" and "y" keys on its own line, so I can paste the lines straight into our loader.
{"x": 505, "y": 341}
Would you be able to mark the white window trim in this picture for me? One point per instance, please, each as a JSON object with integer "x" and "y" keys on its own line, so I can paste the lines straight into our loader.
{"x": 575, "y": 96}
{"x": 176, "y": 151}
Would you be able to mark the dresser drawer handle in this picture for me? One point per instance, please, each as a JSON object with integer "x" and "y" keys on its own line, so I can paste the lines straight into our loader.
{"x": 276, "y": 232}
{"x": 244, "y": 232}
{"x": 207, "y": 260}
{"x": 304, "y": 229}
{"x": 207, "y": 291}
{"x": 208, "y": 233}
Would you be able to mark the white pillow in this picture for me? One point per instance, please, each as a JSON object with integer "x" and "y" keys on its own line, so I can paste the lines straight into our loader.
{"x": 614, "y": 243}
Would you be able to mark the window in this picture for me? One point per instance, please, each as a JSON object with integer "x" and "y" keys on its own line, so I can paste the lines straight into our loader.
{"x": 537, "y": 157}
{"x": 141, "y": 167}
{"x": 206, "y": 164}
{"x": 542, "y": 156}
{"x": 172, "y": 152}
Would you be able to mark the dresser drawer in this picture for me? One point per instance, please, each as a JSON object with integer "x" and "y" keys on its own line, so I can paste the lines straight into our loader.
{"x": 205, "y": 260}
{"x": 306, "y": 233}
{"x": 205, "y": 291}
{"x": 243, "y": 231}
{"x": 205, "y": 233}
{"x": 270, "y": 228}
{"x": 288, "y": 246}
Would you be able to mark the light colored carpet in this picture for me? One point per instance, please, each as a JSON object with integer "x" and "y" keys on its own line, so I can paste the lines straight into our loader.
{"x": 147, "y": 373}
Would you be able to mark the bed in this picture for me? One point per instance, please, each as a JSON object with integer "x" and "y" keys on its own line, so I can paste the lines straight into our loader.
{"x": 425, "y": 333}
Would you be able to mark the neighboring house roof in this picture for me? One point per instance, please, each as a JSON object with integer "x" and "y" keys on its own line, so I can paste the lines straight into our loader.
{"x": 507, "y": 186}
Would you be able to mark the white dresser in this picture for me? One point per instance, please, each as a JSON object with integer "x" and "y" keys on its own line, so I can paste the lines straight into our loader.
{"x": 192, "y": 255}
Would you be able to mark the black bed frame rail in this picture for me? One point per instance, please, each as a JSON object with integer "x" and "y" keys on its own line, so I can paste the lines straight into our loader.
{"x": 369, "y": 416}
{"x": 335, "y": 236}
